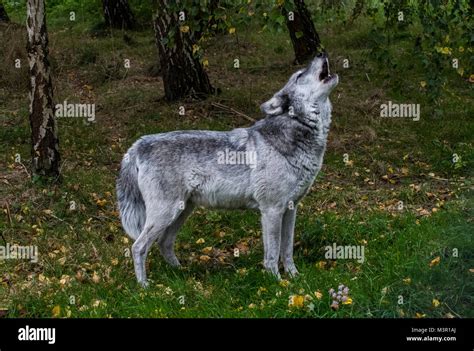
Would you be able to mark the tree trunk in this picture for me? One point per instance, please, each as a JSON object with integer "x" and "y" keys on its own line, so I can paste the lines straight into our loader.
{"x": 183, "y": 74}
{"x": 3, "y": 14}
{"x": 305, "y": 39}
{"x": 117, "y": 14}
{"x": 44, "y": 139}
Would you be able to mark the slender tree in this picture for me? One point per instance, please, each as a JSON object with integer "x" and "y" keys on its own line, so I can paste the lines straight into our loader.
{"x": 305, "y": 39}
{"x": 118, "y": 14}
{"x": 183, "y": 73}
{"x": 44, "y": 139}
{"x": 3, "y": 14}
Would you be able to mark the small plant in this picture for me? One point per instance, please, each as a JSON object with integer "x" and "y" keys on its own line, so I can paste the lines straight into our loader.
{"x": 340, "y": 296}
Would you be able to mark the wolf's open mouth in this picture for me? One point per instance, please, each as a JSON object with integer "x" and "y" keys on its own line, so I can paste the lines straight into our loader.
{"x": 325, "y": 76}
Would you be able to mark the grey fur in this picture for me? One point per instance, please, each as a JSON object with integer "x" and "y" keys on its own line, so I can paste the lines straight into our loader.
{"x": 164, "y": 176}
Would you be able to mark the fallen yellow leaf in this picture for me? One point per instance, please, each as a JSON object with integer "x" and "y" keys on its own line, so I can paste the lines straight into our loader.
{"x": 204, "y": 258}
{"x": 207, "y": 250}
{"x": 101, "y": 203}
{"x": 435, "y": 303}
{"x": 56, "y": 311}
{"x": 435, "y": 261}
{"x": 321, "y": 264}
{"x": 348, "y": 301}
{"x": 95, "y": 277}
{"x": 296, "y": 301}
{"x": 65, "y": 279}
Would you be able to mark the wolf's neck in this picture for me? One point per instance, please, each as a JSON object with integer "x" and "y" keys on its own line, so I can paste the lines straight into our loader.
{"x": 300, "y": 134}
{"x": 315, "y": 120}
{"x": 317, "y": 117}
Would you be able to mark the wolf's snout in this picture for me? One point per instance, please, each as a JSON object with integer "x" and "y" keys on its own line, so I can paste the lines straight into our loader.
{"x": 324, "y": 71}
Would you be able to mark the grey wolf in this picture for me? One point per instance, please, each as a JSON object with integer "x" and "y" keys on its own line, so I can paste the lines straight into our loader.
{"x": 164, "y": 176}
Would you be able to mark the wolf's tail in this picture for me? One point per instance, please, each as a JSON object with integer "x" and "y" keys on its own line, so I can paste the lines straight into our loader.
{"x": 130, "y": 201}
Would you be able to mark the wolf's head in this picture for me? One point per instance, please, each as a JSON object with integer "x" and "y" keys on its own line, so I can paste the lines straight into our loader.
{"x": 304, "y": 88}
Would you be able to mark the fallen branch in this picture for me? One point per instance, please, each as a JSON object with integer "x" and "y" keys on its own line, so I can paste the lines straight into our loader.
{"x": 230, "y": 109}
{"x": 8, "y": 213}
{"x": 25, "y": 169}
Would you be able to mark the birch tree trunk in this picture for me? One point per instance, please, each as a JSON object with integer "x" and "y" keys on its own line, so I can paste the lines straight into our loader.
{"x": 183, "y": 74}
{"x": 305, "y": 39}
{"x": 44, "y": 139}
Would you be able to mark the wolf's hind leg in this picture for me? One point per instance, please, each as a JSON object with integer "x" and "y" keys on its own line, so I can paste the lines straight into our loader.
{"x": 287, "y": 238}
{"x": 159, "y": 217}
{"x": 167, "y": 240}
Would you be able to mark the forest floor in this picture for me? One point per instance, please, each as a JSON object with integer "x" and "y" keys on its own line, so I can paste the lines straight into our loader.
{"x": 398, "y": 194}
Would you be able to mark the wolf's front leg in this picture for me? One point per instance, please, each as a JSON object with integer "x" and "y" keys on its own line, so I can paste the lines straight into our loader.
{"x": 271, "y": 227}
{"x": 287, "y": 239}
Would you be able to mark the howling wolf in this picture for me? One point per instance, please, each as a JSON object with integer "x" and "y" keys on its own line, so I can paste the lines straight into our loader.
{"x": 164, "y": 176}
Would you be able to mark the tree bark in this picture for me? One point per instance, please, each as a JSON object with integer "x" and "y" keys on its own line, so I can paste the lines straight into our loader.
{"x": 3, "y": 14}
{"x": 183, "y": 74}
{"x": 44, "y": 139}
{"x": 305, "y": 39}
{"x": 118, "y": 14}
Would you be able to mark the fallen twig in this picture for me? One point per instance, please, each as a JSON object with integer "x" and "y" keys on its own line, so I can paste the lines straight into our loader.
{"x": 230, "y": 109}
{"x": 8, "y": 213}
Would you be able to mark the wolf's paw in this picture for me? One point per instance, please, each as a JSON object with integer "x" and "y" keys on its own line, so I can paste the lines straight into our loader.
{"x": 291, "y": 270}
{"x": 173, "y": 261}
{"x": 273, "y": 270}
{"x": 144, "y": 284}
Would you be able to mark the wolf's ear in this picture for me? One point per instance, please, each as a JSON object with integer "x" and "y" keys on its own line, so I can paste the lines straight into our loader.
{"x": 276, "y": 105}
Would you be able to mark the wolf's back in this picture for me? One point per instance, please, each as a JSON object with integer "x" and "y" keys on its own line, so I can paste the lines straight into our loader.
{"x": 130, "y": 201}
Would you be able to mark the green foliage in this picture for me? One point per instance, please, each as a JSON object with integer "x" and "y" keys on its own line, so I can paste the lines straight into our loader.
{"x": 446, "y": 35}
{"x": 441, "y": 37}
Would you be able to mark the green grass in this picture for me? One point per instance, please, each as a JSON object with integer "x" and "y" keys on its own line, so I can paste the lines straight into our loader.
{"x": 84, "y": 253}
